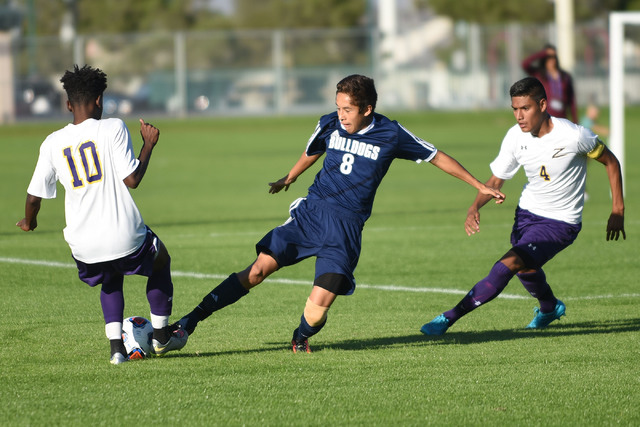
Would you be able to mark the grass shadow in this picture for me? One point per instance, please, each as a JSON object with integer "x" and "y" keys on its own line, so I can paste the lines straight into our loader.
{"x": 475, "y": 337}
{"x": 452, "y": 337}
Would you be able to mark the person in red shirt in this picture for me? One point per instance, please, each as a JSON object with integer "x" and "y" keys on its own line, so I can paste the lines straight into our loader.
{"x": 557, "y": 83}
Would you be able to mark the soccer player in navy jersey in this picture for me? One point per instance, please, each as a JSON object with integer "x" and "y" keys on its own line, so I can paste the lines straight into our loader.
{"x": 553, "y": 152}
{"x": 359, "y": 146}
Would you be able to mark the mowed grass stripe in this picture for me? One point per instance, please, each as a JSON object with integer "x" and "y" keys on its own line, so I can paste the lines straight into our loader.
{"x": 379, "y": 287}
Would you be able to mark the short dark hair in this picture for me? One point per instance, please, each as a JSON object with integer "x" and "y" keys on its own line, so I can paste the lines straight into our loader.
{"x": 361, "y": 89}
{"x": 529, "y": 86}
{"x": 84, "y": 85}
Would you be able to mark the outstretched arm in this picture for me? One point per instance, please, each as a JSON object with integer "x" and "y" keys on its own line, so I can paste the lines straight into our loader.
{"x": 486, "y": 192}
{"x": 472, "y": 223}
{"x": 31, "y": 209}
{"x": 150, "y": 135}
{"x": 615, "y": 225}
{"x": 303, "y": 163}
{"x": 451, "y": 166}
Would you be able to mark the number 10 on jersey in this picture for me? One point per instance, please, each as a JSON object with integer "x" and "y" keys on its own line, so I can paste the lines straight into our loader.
{"x": 90, "y": 163}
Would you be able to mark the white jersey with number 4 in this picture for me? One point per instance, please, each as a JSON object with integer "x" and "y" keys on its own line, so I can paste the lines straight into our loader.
{"x": 91, "y": 160}
{"x": 555, "y": 165}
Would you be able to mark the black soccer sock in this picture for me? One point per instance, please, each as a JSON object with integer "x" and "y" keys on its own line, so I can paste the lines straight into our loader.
{"x": 162, "y": 335}
{"x": 117, "y": 346}
{"x": 226, "y": 293}
{"x": 305, "y": 330}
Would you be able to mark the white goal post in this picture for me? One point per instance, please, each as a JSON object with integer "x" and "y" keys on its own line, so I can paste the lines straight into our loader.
{"x": 617, "y": 22}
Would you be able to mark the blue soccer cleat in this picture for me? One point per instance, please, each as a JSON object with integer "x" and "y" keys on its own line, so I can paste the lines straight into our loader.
{"x": 437, "y": 326}
{"x": 542, "y": 320}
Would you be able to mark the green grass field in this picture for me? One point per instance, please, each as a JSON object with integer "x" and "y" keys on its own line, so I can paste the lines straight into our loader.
{"x": 206, "y": 196}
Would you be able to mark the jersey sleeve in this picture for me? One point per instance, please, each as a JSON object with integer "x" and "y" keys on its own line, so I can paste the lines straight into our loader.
{"x": 43, "y": 181}
{"x": 589, "y": 144}
{"x": 411, "y": 147}
{"x": 317, "y": 143}
{"x": 506, "y": 165}
{"x": 124, "y": 158}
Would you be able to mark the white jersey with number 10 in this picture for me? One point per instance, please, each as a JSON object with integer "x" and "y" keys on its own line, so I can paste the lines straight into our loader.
{"x": 91, "y": 160}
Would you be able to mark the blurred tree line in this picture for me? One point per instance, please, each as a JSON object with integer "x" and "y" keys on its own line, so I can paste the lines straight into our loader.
{"x": 531, "y": 11}
{"x": 122, "y": 16}
{"x": 108, "y": 23}
{"x": 105, "y": 21}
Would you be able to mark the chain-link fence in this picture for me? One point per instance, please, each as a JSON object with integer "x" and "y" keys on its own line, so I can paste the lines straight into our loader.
{"x": 440, "y": 65}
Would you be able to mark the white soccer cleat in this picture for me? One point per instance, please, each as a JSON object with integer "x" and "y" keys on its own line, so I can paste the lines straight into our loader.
{"x": 118, "y": 358}
{"x": 177, "y": 340}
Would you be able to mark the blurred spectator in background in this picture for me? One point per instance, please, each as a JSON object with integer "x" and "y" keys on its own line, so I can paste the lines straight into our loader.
{"x": 557, "y": 83}
{"x": 590, "y": 121}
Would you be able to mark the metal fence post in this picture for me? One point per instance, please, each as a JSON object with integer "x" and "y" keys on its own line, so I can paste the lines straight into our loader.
{"x": 181, "y": 73}
{"x": 7, "y": 111}
{"x": 278, "y": 69}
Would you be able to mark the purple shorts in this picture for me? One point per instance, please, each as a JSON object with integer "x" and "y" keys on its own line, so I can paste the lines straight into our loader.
{"x": 537, "y": 239}
{"x": 140, "y": 262}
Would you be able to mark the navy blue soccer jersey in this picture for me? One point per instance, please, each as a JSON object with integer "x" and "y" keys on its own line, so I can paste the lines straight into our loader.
{"x": 355, "y": 164}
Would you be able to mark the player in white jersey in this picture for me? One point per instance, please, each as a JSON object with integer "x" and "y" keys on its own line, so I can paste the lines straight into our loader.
{"x": 93, "y": 159}
{"x": 553, "y": 153}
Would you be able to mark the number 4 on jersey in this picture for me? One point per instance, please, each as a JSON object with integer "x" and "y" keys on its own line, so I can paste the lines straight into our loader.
{"x": 544, "y": 174}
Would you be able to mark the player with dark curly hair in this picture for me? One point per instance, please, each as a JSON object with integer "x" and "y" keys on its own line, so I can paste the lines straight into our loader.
{"x": 94, "y": 161}
{"x": 84, "y": 85}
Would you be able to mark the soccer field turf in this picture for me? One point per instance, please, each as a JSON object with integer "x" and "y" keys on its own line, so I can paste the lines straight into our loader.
{"x": 206, "y": 195}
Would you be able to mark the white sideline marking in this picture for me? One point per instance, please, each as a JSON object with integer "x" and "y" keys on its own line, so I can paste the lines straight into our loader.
{"x": 391, "y": 288}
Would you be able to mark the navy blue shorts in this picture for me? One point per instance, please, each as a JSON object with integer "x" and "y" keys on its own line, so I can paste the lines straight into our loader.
{"x": 537, "y": 239}
{"x": 332, "y": 235}
{"x": 140, "y": 262}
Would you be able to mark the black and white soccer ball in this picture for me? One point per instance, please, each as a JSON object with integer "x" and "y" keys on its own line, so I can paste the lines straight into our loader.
{"x": 137, "y": 333}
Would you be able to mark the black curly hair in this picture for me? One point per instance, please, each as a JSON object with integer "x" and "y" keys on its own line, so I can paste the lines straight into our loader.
{"x": 84, "y": 85}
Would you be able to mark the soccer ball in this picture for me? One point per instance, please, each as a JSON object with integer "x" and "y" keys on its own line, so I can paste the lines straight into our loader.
{"x": 137, "y": 334}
